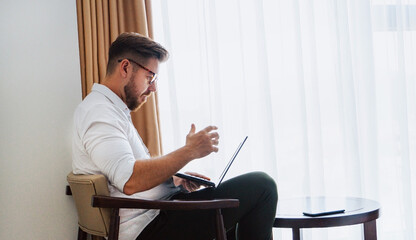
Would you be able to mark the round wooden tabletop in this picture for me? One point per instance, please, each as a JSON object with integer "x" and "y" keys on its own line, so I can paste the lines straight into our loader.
{"x": 357, "y": 210}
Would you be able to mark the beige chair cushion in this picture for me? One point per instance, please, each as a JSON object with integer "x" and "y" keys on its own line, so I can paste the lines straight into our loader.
{"x": 95, "y": 221}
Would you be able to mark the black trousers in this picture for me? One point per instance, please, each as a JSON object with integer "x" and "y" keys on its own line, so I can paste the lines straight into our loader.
{"x": 253, "y": 219}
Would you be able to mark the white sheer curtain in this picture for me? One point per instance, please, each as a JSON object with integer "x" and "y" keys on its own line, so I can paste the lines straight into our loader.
{"x": 325, "y": 90}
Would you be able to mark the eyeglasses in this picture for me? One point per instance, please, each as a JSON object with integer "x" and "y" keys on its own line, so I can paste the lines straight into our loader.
{"x": 154, "y": 75}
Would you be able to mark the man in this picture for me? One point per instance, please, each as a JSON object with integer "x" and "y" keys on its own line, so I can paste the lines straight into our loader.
{"x": 106, "y": 142}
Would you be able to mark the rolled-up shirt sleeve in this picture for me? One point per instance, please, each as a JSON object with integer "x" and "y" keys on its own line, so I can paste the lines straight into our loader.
{"x": 105, "y": 140}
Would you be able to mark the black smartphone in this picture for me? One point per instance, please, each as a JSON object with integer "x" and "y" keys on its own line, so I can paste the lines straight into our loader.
{"x": 196, "y": 179}
{"x": 317, "y": 214}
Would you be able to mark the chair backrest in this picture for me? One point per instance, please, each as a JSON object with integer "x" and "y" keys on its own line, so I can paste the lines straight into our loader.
{"x": 92, "y": 220}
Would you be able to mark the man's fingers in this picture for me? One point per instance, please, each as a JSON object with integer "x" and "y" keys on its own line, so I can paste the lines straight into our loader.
{"x": 190, "y": 185}
{"x": 198, "y": 175}
{"x": 192, "y": 128}
{"x": 203, "y": 142}
{"x": 187, "y": 185}
{"x": 194, "y": 186}
{"x": 214, "y": 135}
{"x": 210, "y": 128}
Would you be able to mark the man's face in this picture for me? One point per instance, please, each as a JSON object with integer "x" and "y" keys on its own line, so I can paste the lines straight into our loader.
{"x": 138, "y": 87}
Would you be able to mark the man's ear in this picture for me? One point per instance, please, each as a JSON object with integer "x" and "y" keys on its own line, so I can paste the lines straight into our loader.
{"x": 123, "y": 68}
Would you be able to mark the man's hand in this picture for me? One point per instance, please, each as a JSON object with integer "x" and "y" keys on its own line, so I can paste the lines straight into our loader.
{"x": 188, "y": 184}
{"x": 203, "y": 142}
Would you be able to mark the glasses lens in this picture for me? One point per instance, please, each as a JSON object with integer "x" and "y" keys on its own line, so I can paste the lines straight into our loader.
{"x": 153, "y": 79}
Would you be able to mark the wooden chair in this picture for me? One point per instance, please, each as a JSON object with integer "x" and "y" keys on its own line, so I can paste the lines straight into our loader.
{"x": 98, "y": 213}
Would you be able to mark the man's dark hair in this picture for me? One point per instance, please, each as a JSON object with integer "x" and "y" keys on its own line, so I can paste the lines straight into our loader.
{"x": 135, "y": 46}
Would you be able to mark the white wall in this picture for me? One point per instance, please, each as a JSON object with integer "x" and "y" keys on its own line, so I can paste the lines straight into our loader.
{"x": 39, "y": 89}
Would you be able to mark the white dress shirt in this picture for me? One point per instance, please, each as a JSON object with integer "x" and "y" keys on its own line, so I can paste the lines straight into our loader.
{"x": 106, "y": 142}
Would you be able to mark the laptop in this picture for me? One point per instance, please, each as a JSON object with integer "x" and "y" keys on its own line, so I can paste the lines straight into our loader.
{"x": 224, "y": 172}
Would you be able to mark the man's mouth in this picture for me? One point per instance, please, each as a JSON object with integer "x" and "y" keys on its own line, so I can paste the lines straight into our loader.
{"x": 145, "y": 95}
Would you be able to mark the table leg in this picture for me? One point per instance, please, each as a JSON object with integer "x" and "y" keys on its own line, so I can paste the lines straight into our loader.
{"x": 370, "y": 230}
{"x": 297, "y": 234}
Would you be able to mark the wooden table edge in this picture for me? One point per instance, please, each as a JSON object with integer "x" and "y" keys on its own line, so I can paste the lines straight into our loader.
{"x": 327, "y": 221}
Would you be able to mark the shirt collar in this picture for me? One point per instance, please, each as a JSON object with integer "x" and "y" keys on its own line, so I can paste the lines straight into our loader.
{"x": 116, "y": 100}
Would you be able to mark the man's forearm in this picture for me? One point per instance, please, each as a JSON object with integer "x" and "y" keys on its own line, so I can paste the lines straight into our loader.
{"x": 152, "y": 172}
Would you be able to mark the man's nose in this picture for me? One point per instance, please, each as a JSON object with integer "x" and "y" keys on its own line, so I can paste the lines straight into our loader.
{"x": 152, "y": 87}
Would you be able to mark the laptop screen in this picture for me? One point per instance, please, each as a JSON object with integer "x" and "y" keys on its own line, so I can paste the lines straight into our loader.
{"x": 224, "y": 172}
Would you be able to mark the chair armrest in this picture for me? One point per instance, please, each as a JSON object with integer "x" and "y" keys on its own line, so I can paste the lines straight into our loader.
{"x": 116, "y": 202}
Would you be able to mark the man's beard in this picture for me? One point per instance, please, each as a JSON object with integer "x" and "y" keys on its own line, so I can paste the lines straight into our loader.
{"x": 132, "y": 100}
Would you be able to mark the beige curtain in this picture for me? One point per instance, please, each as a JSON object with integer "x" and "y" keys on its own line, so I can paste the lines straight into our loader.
{"x": 99, "y": 24}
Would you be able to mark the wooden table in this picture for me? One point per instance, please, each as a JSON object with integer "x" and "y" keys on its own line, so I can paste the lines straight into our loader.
{"x": 357, "y": 211}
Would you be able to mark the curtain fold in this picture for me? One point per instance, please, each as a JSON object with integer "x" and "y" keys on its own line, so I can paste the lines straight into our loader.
{"x": 100, "y": 22}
